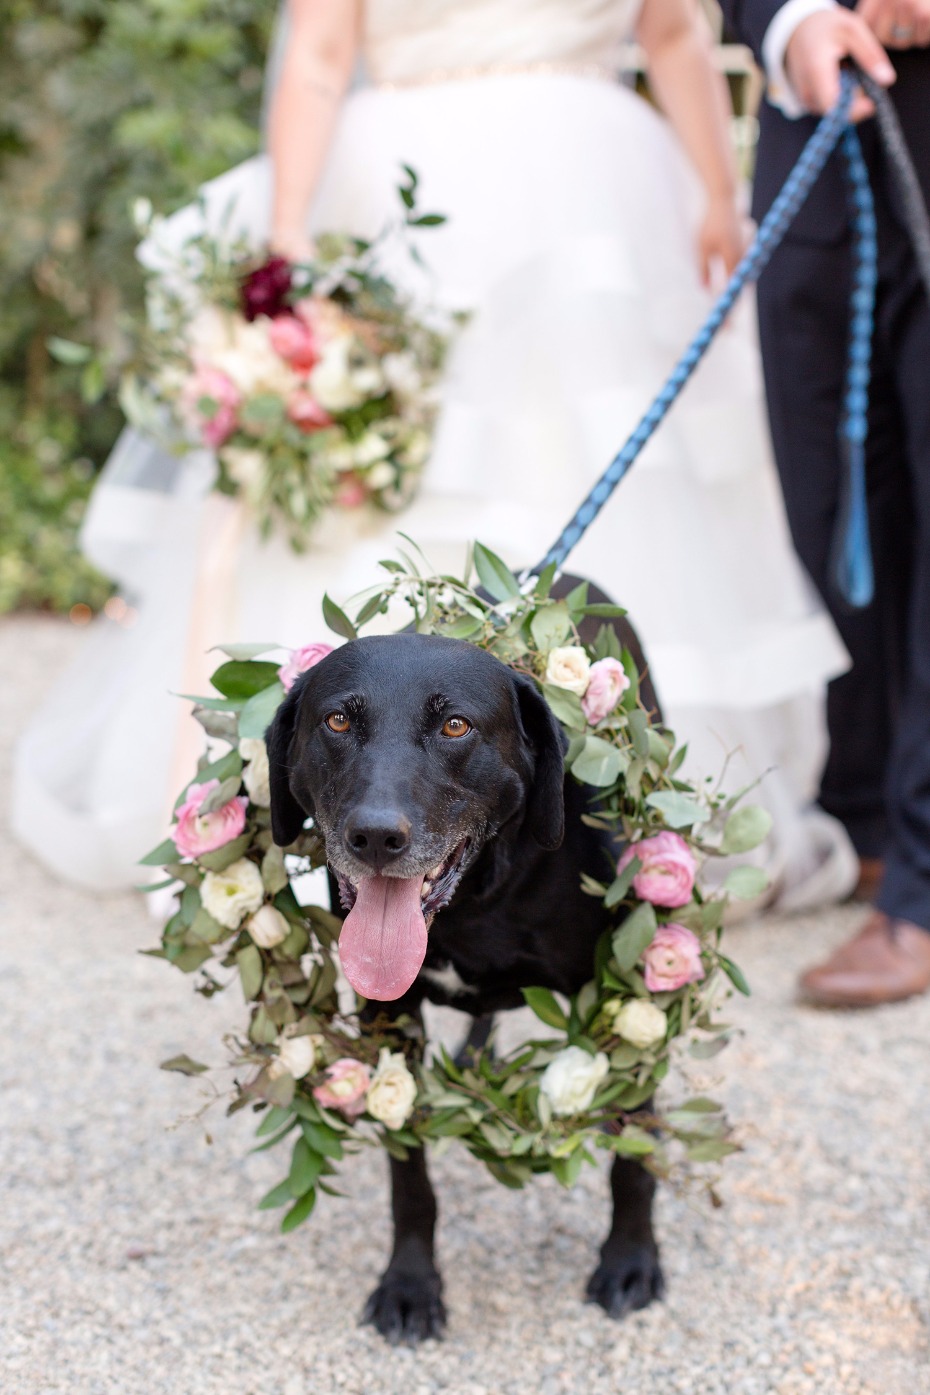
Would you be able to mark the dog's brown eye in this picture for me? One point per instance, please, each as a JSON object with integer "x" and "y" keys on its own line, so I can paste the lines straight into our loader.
{"x": 338, "y": 721}
{"x": 455, "y": 726}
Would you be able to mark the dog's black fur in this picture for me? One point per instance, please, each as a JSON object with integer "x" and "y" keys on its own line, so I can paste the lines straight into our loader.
{"x": 392, "y": 789}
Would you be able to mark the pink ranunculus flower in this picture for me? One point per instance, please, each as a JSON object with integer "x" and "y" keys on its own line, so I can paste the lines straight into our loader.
{"x": 304, "y": 411}
{"x": 209, "y": 403}
{"x": 666, "y": 877}
{"x": 673, "y": 959}
{"x": 300, "y": 661}
{"x": 197, "y": 833}
{"x": 294, "y": 340}
{"x": 344, "y": 1087}
{"x": 607, "y": 682}
{"x": 350, "y": 492}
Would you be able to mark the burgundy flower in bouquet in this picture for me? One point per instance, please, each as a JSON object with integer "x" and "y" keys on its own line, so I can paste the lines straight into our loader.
{"x": 266, "y": 290}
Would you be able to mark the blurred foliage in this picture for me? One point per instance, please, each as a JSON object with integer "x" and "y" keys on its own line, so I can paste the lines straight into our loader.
{"x": 43, "y": 490}
{"x": 101, "y": 102}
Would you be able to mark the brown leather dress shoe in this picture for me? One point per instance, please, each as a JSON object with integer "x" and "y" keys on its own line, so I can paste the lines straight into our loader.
{"x": 888, "y": 960}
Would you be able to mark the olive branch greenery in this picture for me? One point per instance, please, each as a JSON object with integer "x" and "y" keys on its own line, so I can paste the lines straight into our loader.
{"x": 495, "y": 1105}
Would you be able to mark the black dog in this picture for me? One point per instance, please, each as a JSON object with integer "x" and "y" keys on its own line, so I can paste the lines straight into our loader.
{"x": 435, "y": 775}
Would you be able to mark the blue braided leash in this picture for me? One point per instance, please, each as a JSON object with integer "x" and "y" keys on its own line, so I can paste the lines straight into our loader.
{"x": 852, "y": 563}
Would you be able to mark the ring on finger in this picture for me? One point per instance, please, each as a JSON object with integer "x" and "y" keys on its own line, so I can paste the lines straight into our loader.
{"x": 902, "y": 32}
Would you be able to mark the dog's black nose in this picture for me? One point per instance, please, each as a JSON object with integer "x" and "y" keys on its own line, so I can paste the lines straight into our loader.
{"x": 377, "y": 836}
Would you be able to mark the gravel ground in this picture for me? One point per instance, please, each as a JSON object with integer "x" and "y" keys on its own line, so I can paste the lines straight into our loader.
{"x": 132, "y": 1258}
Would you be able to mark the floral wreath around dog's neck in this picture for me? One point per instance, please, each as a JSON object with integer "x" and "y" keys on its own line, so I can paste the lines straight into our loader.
{"x": 307, "y": 1062}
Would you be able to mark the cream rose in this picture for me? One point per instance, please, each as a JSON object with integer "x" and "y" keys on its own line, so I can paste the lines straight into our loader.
{"x": 332, "y": 381}
{"x": 392, "y": 1091}
{"x": 268, "y": 927}
{"x": 571, "y": 1078}
{"x": 296, "y": 1055}
{"x": 229, "y": 896}
{"x": 568, "y": 667}
{"x": 640, "y": 1023}
{"x": 255, "y": 776}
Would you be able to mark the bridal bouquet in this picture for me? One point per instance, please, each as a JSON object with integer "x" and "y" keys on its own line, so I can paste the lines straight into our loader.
{"x": 325, "y": 1080}
{"x": 313, "y": 384}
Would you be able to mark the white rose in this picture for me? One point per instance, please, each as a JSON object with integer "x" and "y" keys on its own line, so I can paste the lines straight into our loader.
{"x": 370, "y": 449}
{"x": 331, "y": 381}
{"x": 402, "y": 374}
{"x": 640, "y": 1022}
{"x": 392, "y": 1091}
{"x": 570, "y": 1080}
{"x": 268, "y": 927}
{"x": 569, "y": 668}
{"x": 230, "y": 895}
{"x": 296, "y": 1055}
{"x": 256, "y": 776}
{"x": 246, "y": 468}
{"x": 380, "y": 476}
{"x": 368, "y": 380}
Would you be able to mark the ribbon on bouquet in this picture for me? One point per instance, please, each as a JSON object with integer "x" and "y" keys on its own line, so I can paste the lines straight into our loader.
{"x": 851, "y": 569}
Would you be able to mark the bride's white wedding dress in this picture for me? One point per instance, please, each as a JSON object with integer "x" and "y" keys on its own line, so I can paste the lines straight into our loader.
{"x": 572, "y": 214}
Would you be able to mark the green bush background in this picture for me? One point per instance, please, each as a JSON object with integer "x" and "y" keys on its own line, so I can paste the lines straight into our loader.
{"x": 101, "y": 102}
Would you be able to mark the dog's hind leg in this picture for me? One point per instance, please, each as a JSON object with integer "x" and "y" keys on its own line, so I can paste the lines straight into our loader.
{"x": 628, "y": 1276}
{"x": 407, "y": 1304}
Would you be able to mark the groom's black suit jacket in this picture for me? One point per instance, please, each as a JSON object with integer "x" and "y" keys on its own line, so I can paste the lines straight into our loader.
{"x": 824, "y": 216}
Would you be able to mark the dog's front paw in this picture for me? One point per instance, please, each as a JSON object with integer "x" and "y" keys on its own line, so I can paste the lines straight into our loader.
{"x": 627, "y": 1281}
{"x": 407, "y": 1307}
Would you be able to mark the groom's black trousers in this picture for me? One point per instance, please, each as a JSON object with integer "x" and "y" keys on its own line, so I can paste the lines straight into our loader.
{"x": 877, "y": 776}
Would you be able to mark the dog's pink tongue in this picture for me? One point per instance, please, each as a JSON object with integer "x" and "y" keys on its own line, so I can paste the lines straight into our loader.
{"x": 383, "y": 939}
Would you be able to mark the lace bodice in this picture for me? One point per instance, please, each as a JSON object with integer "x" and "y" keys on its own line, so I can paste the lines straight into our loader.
{"x": 408, "y": 40}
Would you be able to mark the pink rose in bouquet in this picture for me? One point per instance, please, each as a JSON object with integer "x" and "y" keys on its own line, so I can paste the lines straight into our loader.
{"x": 666, "y": 877}
{"x": 350, "y": 492}
{"x": 344, "y": 1087}
{"x": 300, "y": 661}
{"x": 209, "y": 403}
{"x": 607, "y": 682}
{"x": 197, "y": 833}
{"x": 295, "y": 341}
{"x": 673, "y": 959}
{"x": 304, "y": 411}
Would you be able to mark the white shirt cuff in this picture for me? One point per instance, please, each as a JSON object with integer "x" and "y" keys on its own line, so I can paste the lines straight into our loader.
{"x": 777, "y": 37}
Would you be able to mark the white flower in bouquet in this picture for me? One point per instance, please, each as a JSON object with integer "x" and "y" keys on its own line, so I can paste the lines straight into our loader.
{"x": 229, "y": 896}
{"x": 568, "y": 667}
{"x": 639, "y": 1022}
{"x": 416, "y": 448}
{"x": 339, "y": 457}
{"x": 368, "y": 379}
{"x": 369, "y": 449}
{"x": 256, "y": 775}
{"x": 392, "y": 1091}
{"x": 571, "y": 1078}
{"x": 246, "y": 468}
{"x": 402, "y": 375}
{"x": 268, "y": 927}
{"x": 332, "y": 381}
{"x": 380, "y": 475}
{"x": 296, "y": 1055}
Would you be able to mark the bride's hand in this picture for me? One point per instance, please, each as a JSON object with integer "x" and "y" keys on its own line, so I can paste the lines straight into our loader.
{"x": 294, "y": 244}
{"x": 723, "y": 237}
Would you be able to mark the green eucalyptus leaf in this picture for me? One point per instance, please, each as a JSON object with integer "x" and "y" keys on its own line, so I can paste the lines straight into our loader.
{"x": 249, "y": 964}
{"x": 184, "y": 1065}
{"x": 495, "y": 576}
{"x": 298, "y": 1213}
{"x": 598, "y": 764}
{"x": 221, "y": 858}
{"x": 746, "y": 882}
{"x": 337, "y": 620}
{"x": 278, "y": 1196}
{"x": 566, "y": 707}
{"x": 634, "y": 936}
{"x": 257, "y": 714}
{"x": 745, "y": 829}
{"x": 677, "y": 809}
{"x": 241, "y": 679}
{"x": 550, "y": 626}
{"x": 220, "y": 797}
{"x": 545, "y": 1006}
{"x": 161, "y": 856}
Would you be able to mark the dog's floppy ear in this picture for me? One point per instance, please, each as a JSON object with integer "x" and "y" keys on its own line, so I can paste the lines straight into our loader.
{"x": 545, "y": 805}
{"x": 287, "y": 817}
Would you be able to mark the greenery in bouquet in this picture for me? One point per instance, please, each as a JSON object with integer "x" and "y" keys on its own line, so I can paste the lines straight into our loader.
{"x": 314, "y": 384}
{"x": 328, "y": 1079}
